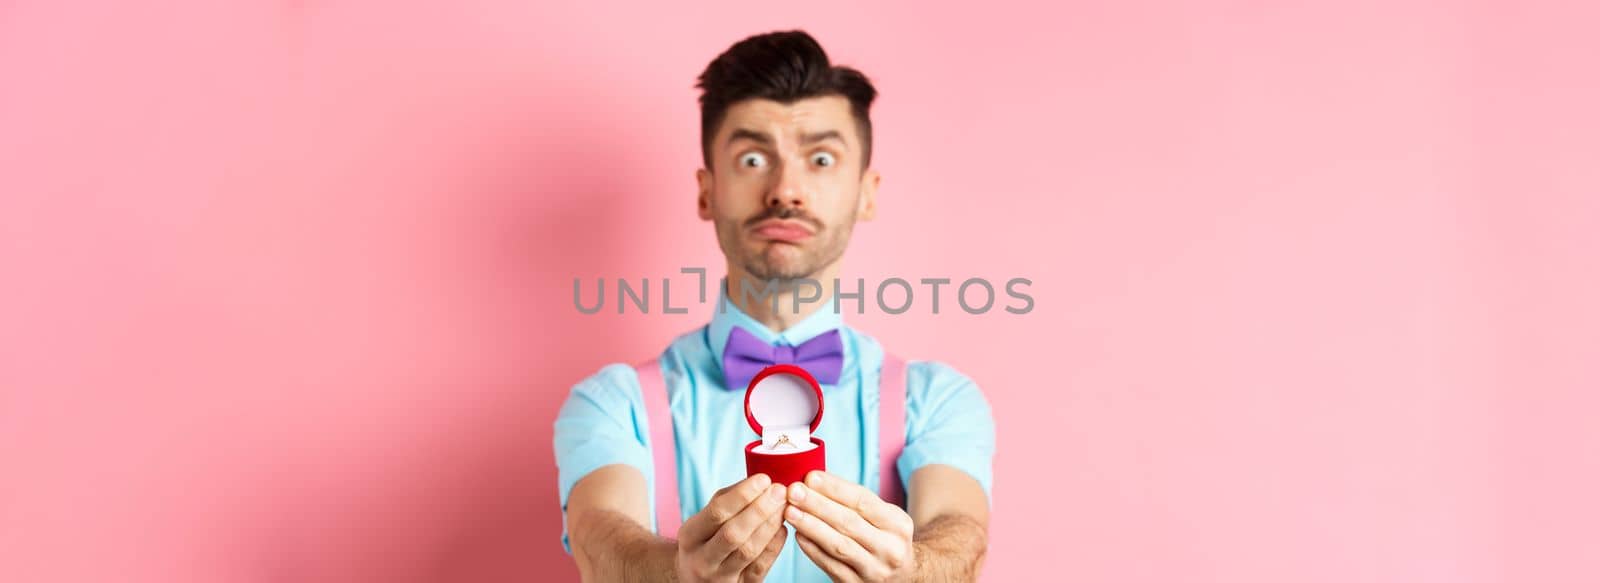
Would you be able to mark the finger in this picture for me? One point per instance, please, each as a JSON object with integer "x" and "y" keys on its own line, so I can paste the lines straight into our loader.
{"x": 836, "y": 570}
{"x": 864, "y": 501}
{"x": 757, "y": 571}
{"x": 844, "y": 520}
{"x": 843, "y": 548}
{"x": 724, "y": 505}
{"x": 755, "y": 542}
{"x": 733, "y": 540}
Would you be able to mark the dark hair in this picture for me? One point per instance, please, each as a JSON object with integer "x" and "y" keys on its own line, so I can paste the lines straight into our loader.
{"x": 784, "y": 67}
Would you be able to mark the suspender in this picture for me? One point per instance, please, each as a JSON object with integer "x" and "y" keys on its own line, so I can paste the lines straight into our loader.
{"x": 891, "y": 428}
{"x": 663, "y": 447}
{"x": 663, "y": 443}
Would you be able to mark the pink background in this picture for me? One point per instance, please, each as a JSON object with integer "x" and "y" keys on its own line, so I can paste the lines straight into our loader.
{"x": 287, "y": 285}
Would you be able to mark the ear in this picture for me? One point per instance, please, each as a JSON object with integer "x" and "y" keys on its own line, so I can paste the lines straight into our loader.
{"x": 703, "y": 178}
{"x": 867, "y": 207}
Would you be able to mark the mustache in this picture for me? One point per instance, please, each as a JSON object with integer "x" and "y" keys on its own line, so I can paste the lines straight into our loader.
{"x": 785, "y": 213}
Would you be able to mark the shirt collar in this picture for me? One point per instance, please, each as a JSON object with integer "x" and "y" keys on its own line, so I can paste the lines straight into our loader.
{"x": 725, "y": 315}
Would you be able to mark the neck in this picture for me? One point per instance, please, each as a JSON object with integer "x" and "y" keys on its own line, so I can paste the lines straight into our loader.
{"x": 759, "y": 303}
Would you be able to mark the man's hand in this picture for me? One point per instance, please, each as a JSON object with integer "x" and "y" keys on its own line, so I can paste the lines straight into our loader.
{"x": 849, "y": 532}
{"x": 737, "y": 536}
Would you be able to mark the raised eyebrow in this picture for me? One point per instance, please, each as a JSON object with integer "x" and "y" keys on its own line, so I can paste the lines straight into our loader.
{"x": 820, "y": 136}
{"x": 752, "y": 135}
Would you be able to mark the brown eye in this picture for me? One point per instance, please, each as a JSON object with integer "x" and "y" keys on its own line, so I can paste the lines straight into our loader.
{"x": 753, "y": 160}
{"x": 822, "y": 159}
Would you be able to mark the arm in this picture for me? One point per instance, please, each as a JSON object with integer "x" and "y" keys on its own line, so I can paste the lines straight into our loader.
{"x": 951, "y": 514}
{"x": 943, "y": 533}
{"x": 608, "y": 518}
{"x": 855, "y": 536}
{"x": 736, "y": 537}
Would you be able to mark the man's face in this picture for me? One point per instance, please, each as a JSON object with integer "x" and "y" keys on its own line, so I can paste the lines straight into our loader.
{"x": 786, "y": 185}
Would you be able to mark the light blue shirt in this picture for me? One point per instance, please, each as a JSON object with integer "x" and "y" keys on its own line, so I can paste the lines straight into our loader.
{"x": 604, "y": 422}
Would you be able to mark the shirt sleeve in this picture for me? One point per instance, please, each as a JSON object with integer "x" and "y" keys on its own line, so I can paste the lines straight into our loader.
{"x": 601, "y": 423}
{"x": 947, "y": 422}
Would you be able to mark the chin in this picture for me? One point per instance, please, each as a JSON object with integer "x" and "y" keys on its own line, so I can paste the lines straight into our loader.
{"x": 785, "y": 265}
{"x": 781, "y": 270}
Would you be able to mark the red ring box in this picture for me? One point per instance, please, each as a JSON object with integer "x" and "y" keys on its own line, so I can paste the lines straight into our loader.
{"x": 786, "y": 396}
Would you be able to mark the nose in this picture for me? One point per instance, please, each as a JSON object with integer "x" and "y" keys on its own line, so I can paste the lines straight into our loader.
{"x": 787, "y": 189}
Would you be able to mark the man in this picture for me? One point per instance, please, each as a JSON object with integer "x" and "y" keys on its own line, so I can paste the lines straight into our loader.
{"x": 786, "y": 141}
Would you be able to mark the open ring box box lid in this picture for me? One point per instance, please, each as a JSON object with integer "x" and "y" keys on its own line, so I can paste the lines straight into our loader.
{"x": 784, "y": 405}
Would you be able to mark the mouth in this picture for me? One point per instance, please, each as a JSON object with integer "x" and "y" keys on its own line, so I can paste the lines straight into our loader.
{"x": 783, "y": 230}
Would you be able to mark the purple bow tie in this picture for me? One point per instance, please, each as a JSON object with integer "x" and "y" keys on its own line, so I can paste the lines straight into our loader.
{"x": 745, "y": 355}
